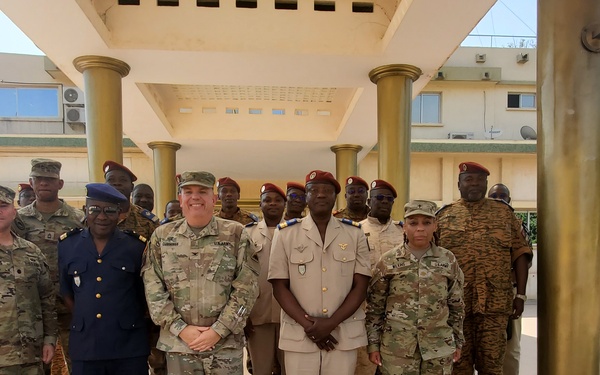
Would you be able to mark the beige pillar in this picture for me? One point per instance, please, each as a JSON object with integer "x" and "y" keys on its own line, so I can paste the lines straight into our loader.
{"x": 394, "y": 103}
{"x": 103, "y": 109}
{"x": 164, "y": 174}
{"x": 346, "y": 165}
{"x": 568, "y": 82}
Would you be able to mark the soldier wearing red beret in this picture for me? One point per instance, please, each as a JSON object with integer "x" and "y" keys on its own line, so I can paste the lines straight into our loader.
{"x": 296, "y": 201}
{"x": 262, "y": 327}
{"x": 229, "y": 194}
{"x": 26, "y": 195}
{"x": 356, "y": 200}
{"x": 486, "y": 237}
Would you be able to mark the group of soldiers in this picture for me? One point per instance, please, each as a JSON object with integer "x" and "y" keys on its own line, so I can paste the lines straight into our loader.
{"x": 290, "y": 287}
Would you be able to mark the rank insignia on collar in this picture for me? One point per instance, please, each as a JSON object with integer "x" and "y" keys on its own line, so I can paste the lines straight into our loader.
{"x": 300, "y": 248}
{"x": 302, "y": 269}
{"x": 343, "y": 246}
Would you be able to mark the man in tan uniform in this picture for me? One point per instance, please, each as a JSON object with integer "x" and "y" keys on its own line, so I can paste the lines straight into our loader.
{"x": 486, "y": 237}
{"x": 43, "y": 222}
{"x": 356, "y": 200}
{"x": 262, "y": 328}
{"x": 296, "y": 201}
{"x": 320, "y": 269}
{"x": 383, "y": 234}
{"x": 229, "y": 193}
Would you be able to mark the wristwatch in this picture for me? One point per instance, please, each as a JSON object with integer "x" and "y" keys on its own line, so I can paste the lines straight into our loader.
{"x": 521, "y": 296}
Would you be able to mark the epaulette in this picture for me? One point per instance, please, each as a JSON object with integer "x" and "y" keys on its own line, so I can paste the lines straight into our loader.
{"x": 149, "y": 215}
{"x": 288, "y": 223}
{"x": 253, "y": 217}
{"x": 164, "y": 221}
{"x": 70, "y": 233}
{"x": 398, "y": 222}
{"x": 501, "y": 201}
{"x": 135, "y": 235}
{"x": 351, "y": 222}
{"x": 251, "y": 224}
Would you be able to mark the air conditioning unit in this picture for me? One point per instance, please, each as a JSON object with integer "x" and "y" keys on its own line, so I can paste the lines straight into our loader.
{"x": 461, "y": 135}
{"x": 73, "y": 96}
{"x": 480, "y": 57}
{"x": 74, "y": 115}
{"x": 522, "y": 58}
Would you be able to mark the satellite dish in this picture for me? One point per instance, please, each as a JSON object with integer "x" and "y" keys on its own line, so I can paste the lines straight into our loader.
{"x": 527, "y": 132}
{"x": 71, "y": 95}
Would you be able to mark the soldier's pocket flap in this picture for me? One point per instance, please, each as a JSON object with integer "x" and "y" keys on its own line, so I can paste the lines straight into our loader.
{"x": 290, "y": 330}
{"x": 75, "y": 269}
{"x": 124, "y": 265}
{"x": 77, "y": 324}
{"x": 354, "y": 329}
{"x": 297, "y": 257}
{"x": 346, "y": 255}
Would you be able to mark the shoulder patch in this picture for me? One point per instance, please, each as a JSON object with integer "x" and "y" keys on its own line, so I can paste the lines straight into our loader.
{"x": 503, "y": 202}
{"x": 351, "y": 222}
{"x": 70, "y": 233}
{"x": 135, "y": 235}
{"x": 251, "y": 224}
{"x": 288, "y": 223}
{"x": 149, "y": 215}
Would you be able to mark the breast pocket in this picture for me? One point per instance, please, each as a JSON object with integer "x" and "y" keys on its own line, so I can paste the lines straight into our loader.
{"x": 452, "y": 233}
{"x": 77, "y": 272}
{"x": 123, "y": 270}
{"x": 301, "y": 261}
{"x": 347, "y": 259}
{"x": 222, "y": 268}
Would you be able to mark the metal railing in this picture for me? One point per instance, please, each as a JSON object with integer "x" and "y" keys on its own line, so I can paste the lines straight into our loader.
{"x": 500, "y": 41}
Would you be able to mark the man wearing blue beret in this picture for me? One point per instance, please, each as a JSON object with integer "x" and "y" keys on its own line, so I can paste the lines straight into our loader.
{"x": 100, "y": 282}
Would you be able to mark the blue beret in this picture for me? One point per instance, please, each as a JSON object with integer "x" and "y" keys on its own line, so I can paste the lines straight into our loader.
{"x": 104, "y": 193}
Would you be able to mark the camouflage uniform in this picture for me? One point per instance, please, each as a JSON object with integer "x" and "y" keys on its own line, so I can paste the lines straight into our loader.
{"x": 344, "y": 213}
{"x": 140, "y": 221}
{"x": 209, "y": 279}
{"x": 241, "y": 216}
{"x": 415, "y": 311}
{"x": 381, "y": 238}
{"x": 486, "y": 238}
{"x": 27, "y": 307}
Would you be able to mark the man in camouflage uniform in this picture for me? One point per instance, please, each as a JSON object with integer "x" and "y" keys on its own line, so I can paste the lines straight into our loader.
{"x": 415, "y": 309}
{"x": 27, "y": 313}
{"x": 356, "y": 200}
{"x": 486, "y": 237}
{"x": 43, "y": 222}
{"x": 172, "y": 212}
{"x": 201, "y": 281}
{"x": 262, "y": 329}
{"x": 229, "y": 194}
{"x": 383, "y": 234}
{"x": 296, "y": 201}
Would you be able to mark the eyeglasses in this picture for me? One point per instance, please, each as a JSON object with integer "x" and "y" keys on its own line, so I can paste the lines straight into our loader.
{"x": 108, "y": 211}
{"x": 380, "y": 197}
{"x": 353, "y": 191}
{"x": 297, "y": 196}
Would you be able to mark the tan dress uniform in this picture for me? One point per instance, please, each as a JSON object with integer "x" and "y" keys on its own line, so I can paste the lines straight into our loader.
{"x": 486, "y": 238}
{"x": 320, "y": 275}
{"x": 381, "y": 238}
{"x": 265, "y": 314}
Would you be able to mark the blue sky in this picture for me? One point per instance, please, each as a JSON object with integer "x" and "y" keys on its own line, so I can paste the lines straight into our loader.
{"x": 507, "y": 17}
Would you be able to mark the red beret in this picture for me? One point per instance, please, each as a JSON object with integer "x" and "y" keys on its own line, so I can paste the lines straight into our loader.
{"x": 295, "y": 185}
{"x": 223, "y": 181}
{"x": 472, "y": 167}
{"x": 178, "y": 178}
{"x": 355, "y": 180}
{"x": 269, "y": 187}
{"x": 322, "y": 176}
{"x": 381, "y": 184}
{"x": 22, "y": 187}
{"x": 110, "y": 165}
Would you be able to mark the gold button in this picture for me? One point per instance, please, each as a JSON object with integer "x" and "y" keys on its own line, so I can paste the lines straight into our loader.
{"x": 98, "y": 279}
{"x": 324, "y": 269}
{"x": 99, "y": 260}
{"x": 343, "y": 258}
{"x": 99, "y": 316}
{"x": 301, "y": 260}
{"x": 324, "y": 310}
{"x": 98, "y": 295}
{"x": 324, "y": 289}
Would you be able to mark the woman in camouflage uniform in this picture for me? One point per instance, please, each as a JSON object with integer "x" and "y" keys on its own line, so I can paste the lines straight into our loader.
{"x": 415, "y": 304}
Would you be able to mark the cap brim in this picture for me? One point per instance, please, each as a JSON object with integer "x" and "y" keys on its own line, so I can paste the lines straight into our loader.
{"x": 419, "y": 212}
{"x": 195, "y": 183}
{"x": 44, "y": 174}
{"x": 7, "y": 200}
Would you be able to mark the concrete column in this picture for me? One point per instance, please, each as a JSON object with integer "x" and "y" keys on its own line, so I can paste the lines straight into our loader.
{"x": 164, "y": 174}
{"x": 103, "y": 109}
{"x": 394, "y": 103}
{"x": 568, "y": 78}
{"x": 346, "y": 165}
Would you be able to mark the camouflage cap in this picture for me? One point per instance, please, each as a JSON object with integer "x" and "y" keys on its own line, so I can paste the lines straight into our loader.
{"x": 7, "y": 195}
{"x": 205, "y": 179}
{"x": 45, "y": 168}
{"x": 419, "y": 207}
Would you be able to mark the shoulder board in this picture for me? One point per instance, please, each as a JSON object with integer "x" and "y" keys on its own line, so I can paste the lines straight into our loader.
{"x": 251, "y": 224}
{"x": 253, "y": 217}
{"x": 503, "y": 202}
{"x": 70, "y": 233}
{"x": 351, "y": 222}
{"x": 149, "y": 215}
{"x": 165, "y": 220}
{"x": 397, "y": 222}
{"x": 443, "y": 208}
{"x": 288, "y": 223}
{"x": 135, "y": 235}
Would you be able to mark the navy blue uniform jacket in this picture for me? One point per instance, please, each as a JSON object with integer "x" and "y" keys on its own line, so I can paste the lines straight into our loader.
{"x": 108, "y": 314}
